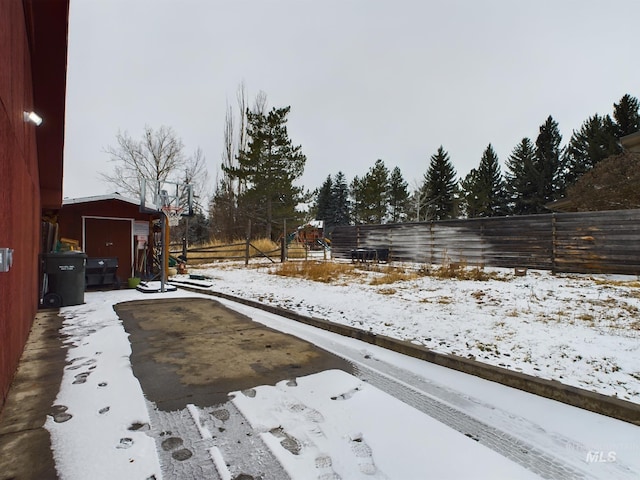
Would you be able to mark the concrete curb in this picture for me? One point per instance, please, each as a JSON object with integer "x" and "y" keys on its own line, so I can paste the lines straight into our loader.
{"x": 576, "y": 397}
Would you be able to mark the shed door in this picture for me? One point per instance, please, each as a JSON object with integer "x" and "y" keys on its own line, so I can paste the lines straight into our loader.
{"x": 108, "y": 237}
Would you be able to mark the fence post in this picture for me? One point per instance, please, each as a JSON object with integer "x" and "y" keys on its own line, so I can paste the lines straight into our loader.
{"x": 246, "y": 248}
{"x": 184, "y": 248}
{"x": 481, "y": 243}
{"x": 432, "y": 241}
{"x": 283, "y": 248}
{"x": 554, "y": 239}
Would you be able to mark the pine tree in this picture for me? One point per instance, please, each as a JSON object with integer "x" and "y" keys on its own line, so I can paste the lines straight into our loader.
{"x": 340, "y": 200}
{"x": 588, "y": 146}
{"x": 398, "y": 196}
{"x": 439, "y": 187}
{"x": 547, "y": 165}
{"x": 324, "y": 207}
{"x": 375, "y": 185}
{"x": 471, "y": 202}
{"x": 356, "y": 190}
{"x": 222, "y": 212}
{"x": 626, "y": 115}
{"x": 268, "y": 167}
{"x": 490, "y": 187}
{"x": 521, "y": 179}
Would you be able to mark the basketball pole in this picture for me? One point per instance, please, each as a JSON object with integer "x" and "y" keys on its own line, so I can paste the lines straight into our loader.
{"x": 163, "y": 253}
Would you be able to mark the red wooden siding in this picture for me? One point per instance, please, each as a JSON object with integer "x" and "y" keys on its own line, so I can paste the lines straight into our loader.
{"x": 30, "y": 33}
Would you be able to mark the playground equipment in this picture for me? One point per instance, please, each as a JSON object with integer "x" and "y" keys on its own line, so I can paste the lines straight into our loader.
{"x": 311, "y": 236}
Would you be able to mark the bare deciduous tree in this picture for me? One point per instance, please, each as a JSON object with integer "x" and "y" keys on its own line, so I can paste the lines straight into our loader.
{"x": 157, "y": 156}
{"x": 194, "y": 172}
{"x": 260, "y": 103}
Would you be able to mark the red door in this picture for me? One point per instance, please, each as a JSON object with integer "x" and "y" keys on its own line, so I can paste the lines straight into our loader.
{"x": 107, "y": 237}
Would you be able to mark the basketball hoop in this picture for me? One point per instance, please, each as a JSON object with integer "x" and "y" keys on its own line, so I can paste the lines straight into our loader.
{"x": 173, "y": 214}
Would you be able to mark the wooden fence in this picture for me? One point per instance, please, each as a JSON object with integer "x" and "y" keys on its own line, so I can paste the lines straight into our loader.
{"x": 233, "y": 251}
{"x": 586, "y": 242}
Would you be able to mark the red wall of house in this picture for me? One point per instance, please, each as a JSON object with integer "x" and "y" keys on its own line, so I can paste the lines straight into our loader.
{"x": 19, "y": 191}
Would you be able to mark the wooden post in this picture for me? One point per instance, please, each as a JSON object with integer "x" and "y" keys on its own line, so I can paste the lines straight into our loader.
{"x": 246, "y": 250}
{"x": 164, "y": 252}
{"x": 283, "y": 252}
{"x": 554, "y": 243}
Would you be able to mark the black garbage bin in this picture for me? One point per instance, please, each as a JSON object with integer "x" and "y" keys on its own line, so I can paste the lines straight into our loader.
{"x": 64, "y": 278}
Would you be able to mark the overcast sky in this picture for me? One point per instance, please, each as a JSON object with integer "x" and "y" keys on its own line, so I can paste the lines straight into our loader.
{"x": 365, "y": 79}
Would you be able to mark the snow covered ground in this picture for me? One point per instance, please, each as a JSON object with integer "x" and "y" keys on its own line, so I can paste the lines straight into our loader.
{"x": 318, "y": 426}
{"x": 580, "y": 330}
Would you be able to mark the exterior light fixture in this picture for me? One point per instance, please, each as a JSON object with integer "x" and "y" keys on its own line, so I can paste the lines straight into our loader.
{"x": 32, "y": 117}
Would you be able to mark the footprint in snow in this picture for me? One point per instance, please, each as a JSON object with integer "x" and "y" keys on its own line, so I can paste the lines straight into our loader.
{"x": 363, "y": 454}
{"x": 81, "y": 378}
{"x": 138, "y": 426}
{"x": 324, "y": 466}
{"x": 310, "y": 414}
{"x": 59, "y": 413}
{"x": 91, "y": 361}
{"x": 182, "y": 454}
{"x": 173, "y": 444}
{"x": 221, "y": 414}
{"x": 347, "y": 395}
{"x": 251, "y": 393}
{"x": 125, "y": 443}
{"x": 288, "y": 442}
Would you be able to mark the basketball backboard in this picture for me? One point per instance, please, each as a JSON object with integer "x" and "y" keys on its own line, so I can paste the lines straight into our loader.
{"x": 154, "y": 195}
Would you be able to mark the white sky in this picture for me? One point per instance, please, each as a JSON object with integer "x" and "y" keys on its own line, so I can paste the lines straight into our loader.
{"x": 365, "y": 79}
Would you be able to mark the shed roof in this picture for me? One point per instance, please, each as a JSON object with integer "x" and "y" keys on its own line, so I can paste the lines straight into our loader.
{"x": 100, "y": 198}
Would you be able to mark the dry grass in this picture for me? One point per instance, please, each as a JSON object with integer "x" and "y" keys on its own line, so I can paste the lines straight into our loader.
{"x": 393, "y": 275}
{"x": 296, "y": 250}
{"x": 461, "y": 271}
{"x": 586, "y": 317}
{"x": 328, "y": 272}
{"x": 325, "y": 272}
{"x": 387, "y": 291}
{"x": 618, "y": 283}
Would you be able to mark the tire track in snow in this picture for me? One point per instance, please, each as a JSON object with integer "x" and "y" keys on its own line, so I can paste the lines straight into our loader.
{"x": 192, "y": 443}
{"x": 503, "y": 443}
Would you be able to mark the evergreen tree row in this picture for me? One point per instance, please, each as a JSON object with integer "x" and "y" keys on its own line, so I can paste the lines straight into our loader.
{"x": 537, "y": 173}
{"x": 541, "y": 172}
{"x": 379, "y": 196}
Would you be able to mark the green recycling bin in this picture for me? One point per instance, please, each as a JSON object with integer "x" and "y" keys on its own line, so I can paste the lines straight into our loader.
{"x": 64, "y": 278}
